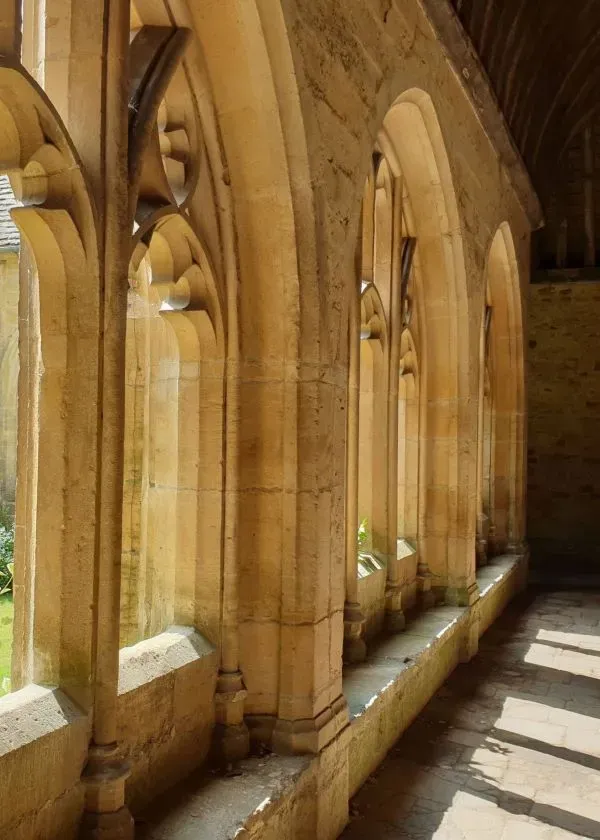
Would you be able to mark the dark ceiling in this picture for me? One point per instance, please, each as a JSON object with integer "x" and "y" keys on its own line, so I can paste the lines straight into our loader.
{"x": 543, "y": 60}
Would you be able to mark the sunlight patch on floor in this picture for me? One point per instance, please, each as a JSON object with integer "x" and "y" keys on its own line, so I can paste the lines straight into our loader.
{"x": 577, "y": 640}
{"x": 509, "y": 749}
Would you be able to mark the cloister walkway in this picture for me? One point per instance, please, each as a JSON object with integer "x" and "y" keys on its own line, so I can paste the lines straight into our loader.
{"x": 509, "y": 748}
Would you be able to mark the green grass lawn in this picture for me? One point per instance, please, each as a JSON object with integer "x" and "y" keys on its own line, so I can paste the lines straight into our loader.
{"x": 6, "y": 624}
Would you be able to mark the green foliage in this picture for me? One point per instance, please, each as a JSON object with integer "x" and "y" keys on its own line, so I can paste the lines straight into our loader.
{"x": 6, "y": 626}
{"x": 7, "y": 520}
{"x": 363, "y": 534}
{"x": 7, "y": 549}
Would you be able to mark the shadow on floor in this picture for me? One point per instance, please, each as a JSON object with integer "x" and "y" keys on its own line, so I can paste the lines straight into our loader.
{"x": 510, "y": 746}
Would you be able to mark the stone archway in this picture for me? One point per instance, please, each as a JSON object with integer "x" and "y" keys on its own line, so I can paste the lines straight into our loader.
{"x": 503, "y": 368}
{"x": 412, "y": 141}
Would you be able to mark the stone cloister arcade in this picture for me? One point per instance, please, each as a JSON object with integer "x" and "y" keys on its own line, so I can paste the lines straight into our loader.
{"x": 271, "y": 397}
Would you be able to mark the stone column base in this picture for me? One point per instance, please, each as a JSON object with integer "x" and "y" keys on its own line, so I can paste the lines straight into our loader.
{"x": 230, "y": 743}
{"x": 116, "y": 826}
{"x": 470, "y": 642}
{"x": 298, "y": 737}
{"x": 520, "y": 548}
{"x": 355, "y": 648}
{"x": 106, "y": 817}
{"x": 481, "y": 551}
{"x": 481, "y": 541}
{"x": 462, "y": 596}
{"x": 395, "y": 620}
{"x": 231, "y": 739}
{"x": 425, "y": 593}
{"x": 492, "y": 542}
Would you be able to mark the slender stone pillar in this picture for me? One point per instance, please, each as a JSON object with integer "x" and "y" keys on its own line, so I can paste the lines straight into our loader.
{"x": 394, "y": 619}
{"x": 481, "y": 541}
{"x": 106, "y": 816}
{"x": 231, "y": 739}
{"x": 355, "y": 649}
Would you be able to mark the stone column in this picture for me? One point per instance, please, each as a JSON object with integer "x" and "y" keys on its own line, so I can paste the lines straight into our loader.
{"x": 425, "y": 594}
{"x": 395, "y": 619}
{"x": 231, "y": 738}
{"x": 311, "y": 708}
{"x": 481, "y": 542}
{"x": 355, "y": 649}
{"x": 463, "y": 504}
{"x": 106, "y": 815}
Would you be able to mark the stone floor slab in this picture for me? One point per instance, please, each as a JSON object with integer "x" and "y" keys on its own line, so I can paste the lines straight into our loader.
{"x": 509, "y": 748}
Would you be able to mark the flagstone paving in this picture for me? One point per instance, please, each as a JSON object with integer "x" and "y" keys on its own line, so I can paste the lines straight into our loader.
{"x": 509, "y": 748}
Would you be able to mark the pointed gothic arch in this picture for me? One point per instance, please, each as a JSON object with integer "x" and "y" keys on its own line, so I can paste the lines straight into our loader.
{"x": 174, "y": 438}
{"x": 412, "y": 141}
{"x": 501, "y": 467}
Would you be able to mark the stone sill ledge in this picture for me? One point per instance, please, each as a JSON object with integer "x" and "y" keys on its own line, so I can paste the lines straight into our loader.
{"x": 370, "y": 563}
{"x": 35, "y": 712}
{"x": 495, "y": 572}
{"x": 159, "y": 656}
{"x": 251, "y": 805}
{"x": 391, "y": 659}
{"x": 224, "y": 808}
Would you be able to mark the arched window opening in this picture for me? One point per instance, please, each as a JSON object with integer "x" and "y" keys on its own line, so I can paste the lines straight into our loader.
{"x": 372, "y": 465}
{"x": 50, "y": 372}
{"x": 9, "y": 376}
{"x": 173, "y": 439}
{"x": 372, "y": 421}
{"x": 501, "y": 413}
{"x": 382, "y": 408}
{"x": 173, "y": 479}
{"x": 408, "y": 464}
{"x": 407, "y": 475}
{"x": 365, "y": 445}
{"x": 411, "y": 257}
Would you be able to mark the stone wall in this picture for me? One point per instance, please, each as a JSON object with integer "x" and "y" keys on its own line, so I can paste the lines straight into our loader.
{"x": 564, "y": 445}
